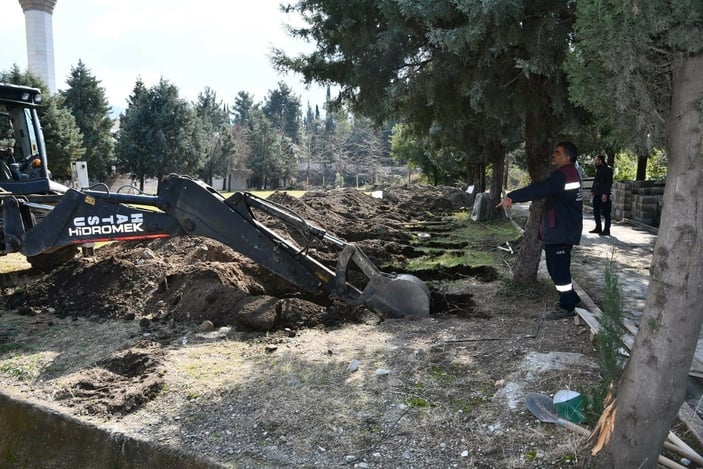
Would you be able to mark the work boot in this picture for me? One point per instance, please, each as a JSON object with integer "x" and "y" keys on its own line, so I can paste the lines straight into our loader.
{"x": 596, "y": 230}
{"x": 579, "y": 304}
{"x": 604, "y": 233}
{"x": 560, "y": 313}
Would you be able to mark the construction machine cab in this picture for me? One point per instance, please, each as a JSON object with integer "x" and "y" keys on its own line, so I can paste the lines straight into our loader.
{"x": 23, "y": 161}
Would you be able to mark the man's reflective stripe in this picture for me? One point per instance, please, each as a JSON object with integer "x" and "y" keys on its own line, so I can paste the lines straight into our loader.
{"x": 563, "y": 288}
{"x": 571, "y": 186}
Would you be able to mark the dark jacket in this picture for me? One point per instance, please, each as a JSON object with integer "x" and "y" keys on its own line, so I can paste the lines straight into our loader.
{"x": 603, "y": 180}
{"x": 562, "y": 219}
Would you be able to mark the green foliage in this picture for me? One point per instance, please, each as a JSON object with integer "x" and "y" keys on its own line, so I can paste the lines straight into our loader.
{"x": 608, "y": 344}
{"x": 657, "y": 164}
{"x": 620, "y": 65}
{"x": 405, "y": 147}
{"x": 459, "y": 75}
{"x": 625, "y": 167}
{"x": 464, "y": 245}
{"x": 159, "y": 133}
{"x": 437, "y": 259}
{"x": 86, "y": 100}
{"x": 608, "y": 340}
{"x": 218, "y": 146}
{"x": 272, "y": 157}
{"x": 517, "y": 177}
{"x": 243, "y": 106}
{"x": 282, "y": 108}
{"x": 63, "y": 139}
{"x": 418, "y": 403}
{"x": 132, "y": 137}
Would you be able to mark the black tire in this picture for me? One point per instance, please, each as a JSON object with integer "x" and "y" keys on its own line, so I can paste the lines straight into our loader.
{"x": 50, "y": 260}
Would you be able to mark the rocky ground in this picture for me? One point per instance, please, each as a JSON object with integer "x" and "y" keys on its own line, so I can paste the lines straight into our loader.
{"x": 187, "y": 343}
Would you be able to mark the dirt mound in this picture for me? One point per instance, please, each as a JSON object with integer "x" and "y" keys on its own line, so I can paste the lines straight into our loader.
{"x": 192, "y": 279}
{"x": 135, "y": 374}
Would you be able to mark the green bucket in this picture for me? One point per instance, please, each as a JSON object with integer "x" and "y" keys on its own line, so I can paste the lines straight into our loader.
{"x": 569, "y": 405}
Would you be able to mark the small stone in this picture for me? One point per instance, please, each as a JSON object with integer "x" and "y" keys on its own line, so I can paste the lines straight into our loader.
{"x": 382, "y": 372}
{"x": 270, "y": 348}
{"x": 353, "y": 365}
{"x": 206, "y": 326}
{"x": 500, "y": 383}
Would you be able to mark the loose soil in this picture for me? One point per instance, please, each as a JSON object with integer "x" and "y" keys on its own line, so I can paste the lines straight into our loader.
{"x": 189, "y": 344}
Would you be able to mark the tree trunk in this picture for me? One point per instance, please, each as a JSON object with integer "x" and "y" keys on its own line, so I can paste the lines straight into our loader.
{"x": 506, "y": 170}
{"x": 498, "y": 165}
{"x": 641, "y": 168}
{"x": 537, "y": 151}
{"x": 653, "y": 384}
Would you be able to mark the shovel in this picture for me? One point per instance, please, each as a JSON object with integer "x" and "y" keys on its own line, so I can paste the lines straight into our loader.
{"x": 543, "y": 408}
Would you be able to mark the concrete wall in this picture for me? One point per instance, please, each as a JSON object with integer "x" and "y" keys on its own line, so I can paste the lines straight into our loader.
{"x": 33, "y": 435}
{"x": 641, "y": 201}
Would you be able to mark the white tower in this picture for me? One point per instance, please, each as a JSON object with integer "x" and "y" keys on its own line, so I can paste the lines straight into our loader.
{"x": 40, "y": 39}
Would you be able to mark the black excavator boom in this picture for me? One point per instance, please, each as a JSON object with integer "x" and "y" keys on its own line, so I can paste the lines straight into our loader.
{"x": 184, "y": 206}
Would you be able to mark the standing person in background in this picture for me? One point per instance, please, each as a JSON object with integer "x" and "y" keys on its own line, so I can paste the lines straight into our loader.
{"x": 602, "y": 185}
{"x": 562, "y": 222}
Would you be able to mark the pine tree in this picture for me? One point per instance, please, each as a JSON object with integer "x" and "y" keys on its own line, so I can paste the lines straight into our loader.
{"x": 159, "y": 133}
{"x": 86, "y": 100}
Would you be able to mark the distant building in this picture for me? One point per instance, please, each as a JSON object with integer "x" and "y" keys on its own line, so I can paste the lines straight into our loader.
{"x": 40, "y": 39}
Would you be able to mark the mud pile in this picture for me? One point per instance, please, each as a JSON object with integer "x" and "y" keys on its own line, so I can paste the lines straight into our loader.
{"x": 192, "y": 279}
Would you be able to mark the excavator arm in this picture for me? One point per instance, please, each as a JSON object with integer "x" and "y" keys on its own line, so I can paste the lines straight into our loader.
{"x": 184, "y": 206}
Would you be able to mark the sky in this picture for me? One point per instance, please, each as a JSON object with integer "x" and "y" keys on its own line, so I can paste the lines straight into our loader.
{"x": 224, "y": 45}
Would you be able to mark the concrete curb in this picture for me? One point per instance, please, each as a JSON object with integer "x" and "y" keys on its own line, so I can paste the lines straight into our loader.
{"x": 35, "y": 435}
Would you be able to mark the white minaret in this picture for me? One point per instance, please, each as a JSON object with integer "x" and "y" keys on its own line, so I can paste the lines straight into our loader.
{"x": 40, "y": 39}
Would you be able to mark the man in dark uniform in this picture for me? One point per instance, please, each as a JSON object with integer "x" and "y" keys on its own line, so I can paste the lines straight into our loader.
{"x": 602, "y": 185}
{"x": 562, "y": 222}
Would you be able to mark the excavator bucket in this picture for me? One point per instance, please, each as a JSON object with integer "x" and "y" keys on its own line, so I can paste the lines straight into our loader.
{"x": 394, "y": 295}
{"x": 401, "y": 295}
